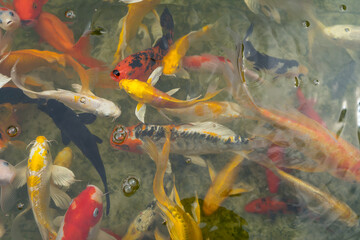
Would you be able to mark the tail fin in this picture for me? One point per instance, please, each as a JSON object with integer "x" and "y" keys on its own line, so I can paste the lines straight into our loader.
{"x": 17, "y": 81}
{"x": 167, "y": 24}
{"x": 211, "y": 92}
{"x": 81, "y": 52}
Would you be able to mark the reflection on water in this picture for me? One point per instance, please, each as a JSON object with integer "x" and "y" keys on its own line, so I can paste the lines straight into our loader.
{"x": 298, "y": 55}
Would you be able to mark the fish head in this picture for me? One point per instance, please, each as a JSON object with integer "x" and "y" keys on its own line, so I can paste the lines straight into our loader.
{"x": 123, "y": 138}
{"x": 108, "y": 109}
{"x": 7, "y": 172}
{"x": 211, "y": 203}
{"x": 28, "y": 10}
{"x": 342, "y": 32}
{"x": 136, "y": 66}
{"x": 39, "y": 155}
{"x": 86, "y": 209}
{"x": 9, "y": 19}
{"x": 121, "y": 71}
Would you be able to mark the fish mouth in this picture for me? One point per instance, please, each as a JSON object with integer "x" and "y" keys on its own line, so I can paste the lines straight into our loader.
{"x": 27, "y": 22}
{"x": 9, "y": 22}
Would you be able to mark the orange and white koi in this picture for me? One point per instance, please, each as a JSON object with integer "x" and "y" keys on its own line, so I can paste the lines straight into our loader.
{"x": 137, "y": 10}
{"x": 145, "y": 93}
{"x": 83, "y": 218}
{"x": 172, "y": 60}
{"x": 77, "y": 101}
{"x": 336, "y": 155}
{"x": 179, "y": 223}
{"x": 222, "y": 185}
{"x": 43, "y": 179}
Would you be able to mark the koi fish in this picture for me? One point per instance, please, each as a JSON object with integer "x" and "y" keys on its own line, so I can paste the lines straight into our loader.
{"x": 7, "y": 176}
{"x": 43, "y": 179}
{"x": 141, "y": 64}
{"x": 179, "y": 223}
{"x": 52, "y": 30}
{"x": 219, "y": 112}
{"x": 9, "y": 22}
{"x": 276, "y": 154}
{"x": 144, "y": 93}
{"x": 191, "y": 139}
{"x": 28, "y": 10}
{"x": 83, "y": 218}
{"x": 77, "y": 101}
{"x": 318, "y": 201}
{"x": 222, "y": 185}
{"x": 337, "y": 156}
{"x": 347, "y": 36}
{"x": 137, "y": 10}
{"x": 306, "y": 107}
{"x": 73, "y": 129}
{"x": 288, "y": 68}
{"x": 171, "y": 61}
{"x": 267, "y": 205}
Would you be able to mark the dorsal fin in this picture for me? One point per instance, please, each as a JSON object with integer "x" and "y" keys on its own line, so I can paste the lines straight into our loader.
{"x": 208, "y": 128}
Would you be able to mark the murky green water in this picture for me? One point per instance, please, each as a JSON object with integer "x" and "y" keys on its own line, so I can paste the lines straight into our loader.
{"x": 332, "y": 78}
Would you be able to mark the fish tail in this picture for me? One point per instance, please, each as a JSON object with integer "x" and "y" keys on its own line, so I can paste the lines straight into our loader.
{"x": 81, "y": 52}
{"x": 17, "y": 81}
{"x": 167, "y": 24}
{"x": 211, "y": 92}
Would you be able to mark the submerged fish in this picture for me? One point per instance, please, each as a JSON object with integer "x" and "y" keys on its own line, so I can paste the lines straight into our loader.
{"x": 222, "y": 185}
{"x": 141, "y": 64}
{"x": 130, "y": 24}
{"x": 28, "y": 10}
{"x": 73, "y": 129}
{"x": 145, "y": 93}
{"x": 268, "y": 205}
{"x": 83, "y": 218}
{"x": 190, "y": 139}
{"x": 64, "y": 157}
{"x": 43, "y": 179}
{"x": 179, "y": 223}
{"x": 76, "y": 101}
{"x": 9, "y": 19}
{"x": 7, "y": 176}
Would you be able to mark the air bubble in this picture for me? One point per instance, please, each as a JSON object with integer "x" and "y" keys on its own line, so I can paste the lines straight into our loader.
{"x": 343, "y": 8}
{"x": 12, "y": 131}
{"x": 82, "y": 99}
{"x": 70, "y": 14}
{"x": 306, "y": 24}
{"x": 20, "y": 206}
{"x": 316, "y": 82}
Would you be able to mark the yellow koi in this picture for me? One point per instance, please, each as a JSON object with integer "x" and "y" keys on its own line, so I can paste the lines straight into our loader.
{"x": 64, "y": 158}
{"x": 43, "y": 179}
{"x": 179, "y": 223}
{"x": 171, "y": 61}
{"x": 130, "y": 24}
{"x": 222, "y": 185}
{"x": 145, "y": 93}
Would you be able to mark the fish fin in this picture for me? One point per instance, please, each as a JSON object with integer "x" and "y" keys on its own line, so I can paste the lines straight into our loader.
{"x": 270, "y": 11}
{"x": 130, "y": 1}
{"x": 20, "y": 174}
{"x": 195, "y": 209}
{"x": 172, "y": 91}
{"x": 62, "y": 176}
{"x": 182, "y": 73}
{"x": 197, "y": 160}
{"x": 3, "y": 80}
{"x": 206, "y": 127}
{"x": 102, "y": 235}
{"x": 176, "y": 196}
{"x": 97, "y": 139}
{"x": 237, "y": 191}
{"x": 254, "y": 6}
{"x": 212, "y": 172}
{"x": 15, "y": 227}
{"x": 158, "y": 235}
{"x": 8, "y": 197}
{"x": 17, "y": 81}
{"x": 164, "y": 115}
{"x": 65, "y": 139}
{"x": 140, "y": 111}
{"x": 86, "y": 118}
{"x": 60, "y": 198}
{"x": 146, "y": 40}
{"x": 156, "y": 30}
{"x": 155, "y": 76}
{"x": 58, "y": 221}
{"x": 76, "y": 87}
{"x": 211, "y": 92}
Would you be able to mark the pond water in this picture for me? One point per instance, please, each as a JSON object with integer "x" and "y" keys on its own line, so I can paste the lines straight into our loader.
{"x": 330, "y": 84}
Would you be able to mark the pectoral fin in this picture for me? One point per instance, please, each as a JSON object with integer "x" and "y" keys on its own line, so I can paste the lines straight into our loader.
{"x": 182, "y": 73}
{"x": 172, "y": 91}
{"x": 237, "y": 191}
{"x": 212, "y": 172}
{"x": 195, "y": 209}
{"x": 140, "y": 111}
{"x": 8, "y": 197}
{"x": 20, "y": 174}
{"x": 155, "y": 76}
{"x": 60, "y": 198}
{"x": 3, "y": 80}
{"x": 62, "y": 176}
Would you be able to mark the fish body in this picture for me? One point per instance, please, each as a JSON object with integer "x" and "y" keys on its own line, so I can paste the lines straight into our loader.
{"x": 28, "y": 10}
{"x": 73, "y": 129}
{"x": 222, "y": 185}
{"x": 306, "y": 107}
{"x": 276, "y": 154}
{"x": 9, "y": 19}
{"x": 131, "y": 22}
{"x": 347, "y": 36}
{"x": 220, "y": 112}
{"x": 205, "y": 62}
{"x": 141, "y": 64}
{"x": 77, "y": 101}
{"x": 279, "y": 66}
{"x": 267, "y": 205}
{"x": 171, "y": 61}
{"x": 178, "y": 222}
{"x": 189, "y": 139}
{"x": 7, "y": 176}
{"x": 52, "y": 30}
{"x": 82, "y": 219}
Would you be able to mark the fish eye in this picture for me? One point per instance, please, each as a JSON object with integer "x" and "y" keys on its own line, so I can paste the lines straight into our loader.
{"x": 347, "y": 29}
{"x": 96, "y": 212}
{"x": 34, "y": 5}
{"x": 11, "y": 14}
{"x": 12, "y": 131}
{"x": 116, "y": 73}
{"x": 0, "y": 21}
{"x": 5, "y": 163}
{"x": 119, "y": 135}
